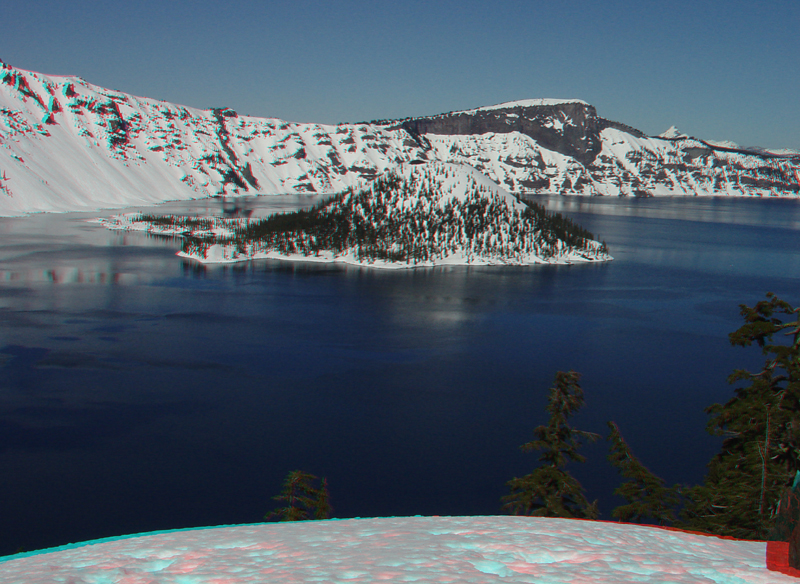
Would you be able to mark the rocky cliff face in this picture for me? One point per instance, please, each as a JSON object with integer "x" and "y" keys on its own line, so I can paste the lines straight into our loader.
{"x": 591, "y": 155}
{"x": 571, "y": 128}
{"x": 66, "y": 144}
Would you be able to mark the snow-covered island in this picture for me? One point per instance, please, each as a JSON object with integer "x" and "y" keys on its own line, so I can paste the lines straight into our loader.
{"x": 418, "y": 215}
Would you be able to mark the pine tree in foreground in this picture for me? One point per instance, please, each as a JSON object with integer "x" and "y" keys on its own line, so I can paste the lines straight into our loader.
{"x": 551, "y": 491}
{"x": 645, "y": 492}
{"x": 302, "y": 499}
{"x": 761, "y": 430}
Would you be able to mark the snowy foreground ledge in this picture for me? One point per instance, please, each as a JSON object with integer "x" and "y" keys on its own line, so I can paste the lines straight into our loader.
{"x": 404, "y": 549}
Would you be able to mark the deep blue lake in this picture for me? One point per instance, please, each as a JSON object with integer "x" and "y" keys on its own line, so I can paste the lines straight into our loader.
{"x": 143, "y": 392}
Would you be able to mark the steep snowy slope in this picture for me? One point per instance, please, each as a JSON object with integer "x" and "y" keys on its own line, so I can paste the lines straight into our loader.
{"x": 416, "y": 215}
{"x": 68, "y": 145}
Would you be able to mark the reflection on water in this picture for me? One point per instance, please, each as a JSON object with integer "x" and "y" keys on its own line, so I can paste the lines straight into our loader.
{"x": 245, "y": 206}
{"x": 70, "y": 275}
{"x": 745, "y": 237}
{"x": 783, "y": 213}
{"x": 68, "y": 249}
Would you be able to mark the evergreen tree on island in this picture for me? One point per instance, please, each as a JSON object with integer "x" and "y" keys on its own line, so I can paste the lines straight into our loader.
{"x": 550, "y": 490}
{"x": 645, "y": 492}
{"x": 761, "y": 430}
{"x": 302, "y": 500}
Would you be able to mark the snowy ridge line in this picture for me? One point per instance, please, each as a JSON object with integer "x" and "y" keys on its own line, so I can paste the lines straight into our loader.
{"x": 541, "y": 102}
{"x": 476, "y": 549}
{"x": 665, "y": 527}
{"x": 776, "y": 553}
{"x": 112, "y": 538}
{"x": 727, "y": 146}
{"x": 68, "y": 145}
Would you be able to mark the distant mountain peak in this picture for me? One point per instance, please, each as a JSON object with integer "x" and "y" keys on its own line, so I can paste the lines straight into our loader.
{"x": 672, "y": 134}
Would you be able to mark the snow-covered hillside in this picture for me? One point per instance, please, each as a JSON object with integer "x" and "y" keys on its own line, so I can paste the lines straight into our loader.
{"x": 416, "y": 215}
{"x": 405, "y": 549}
{"x": 66, "y": 144}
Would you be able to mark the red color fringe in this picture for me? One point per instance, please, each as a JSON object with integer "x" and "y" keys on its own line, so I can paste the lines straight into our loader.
{"x": 777, "y": 551}
{"x": 778, "y": 558}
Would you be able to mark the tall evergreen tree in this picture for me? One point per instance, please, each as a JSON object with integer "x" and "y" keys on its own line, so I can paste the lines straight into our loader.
{"x": 322, "y": 505}
{"x": 301, "y": 499}
{"x": 645, "y": 492}
{"x": 550, "y": 490}
{"x": 760, "y": 426}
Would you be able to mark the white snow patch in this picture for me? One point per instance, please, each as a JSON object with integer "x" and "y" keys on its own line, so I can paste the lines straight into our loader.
{"x": 523, "y": 103}
{"x": 672, "y": 133}
{"x": 722, "y": 143}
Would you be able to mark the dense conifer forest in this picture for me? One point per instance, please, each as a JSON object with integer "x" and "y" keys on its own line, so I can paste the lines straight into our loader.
{"x": 757, "y": 468}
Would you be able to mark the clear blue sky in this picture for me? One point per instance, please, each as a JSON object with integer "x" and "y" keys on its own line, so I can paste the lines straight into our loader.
{"x": 716, "y": 69}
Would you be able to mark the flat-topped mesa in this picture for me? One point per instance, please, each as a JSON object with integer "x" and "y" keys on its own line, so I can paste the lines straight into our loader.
{"x": 568, "y": 126}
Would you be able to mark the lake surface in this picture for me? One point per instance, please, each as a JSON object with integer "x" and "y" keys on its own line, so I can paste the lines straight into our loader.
{"x": 141, "y": 391}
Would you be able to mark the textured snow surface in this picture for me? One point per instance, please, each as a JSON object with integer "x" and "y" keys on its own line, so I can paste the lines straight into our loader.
{"x": 454, "y": 180}
{"x": 408, "y": 549}
{"x": 722, "y": 143}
